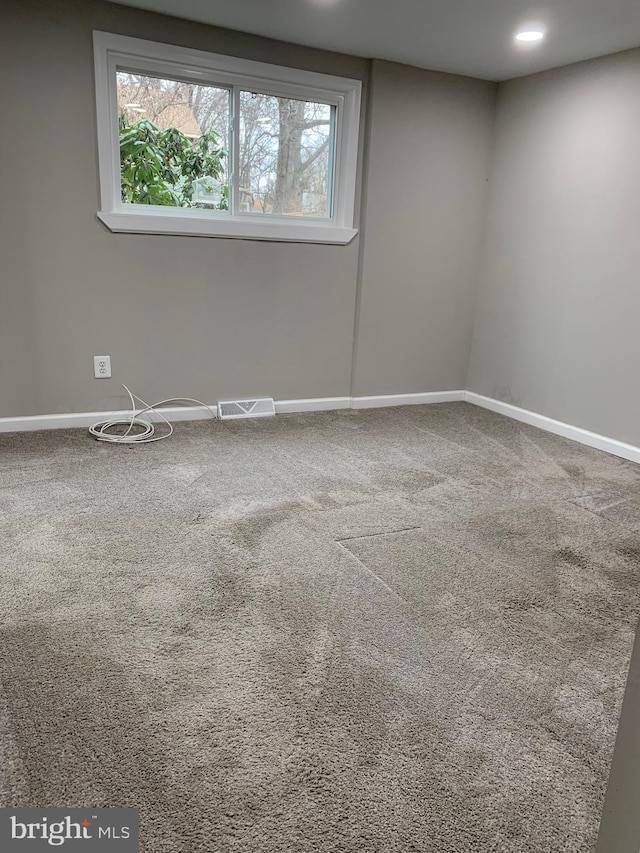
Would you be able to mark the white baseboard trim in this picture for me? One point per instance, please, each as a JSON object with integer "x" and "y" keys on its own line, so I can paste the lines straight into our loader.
{"x": 323, "y": 404}
{"x": 582, "y": 436}
{"x": 318, "y": 404}
{"x": 407, "y": 399}
{"x": 75, "y": 420}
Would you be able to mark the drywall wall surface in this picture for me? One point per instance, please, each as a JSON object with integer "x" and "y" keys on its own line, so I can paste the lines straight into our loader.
{"x": 427, "y": 166}
{"x": 620, "y": 824}
{"x": 206, "y": 318}
{"x": 556, "y": 328}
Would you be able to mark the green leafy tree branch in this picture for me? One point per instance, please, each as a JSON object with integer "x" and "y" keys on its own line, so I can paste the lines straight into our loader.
{"x": 160, "y": 166}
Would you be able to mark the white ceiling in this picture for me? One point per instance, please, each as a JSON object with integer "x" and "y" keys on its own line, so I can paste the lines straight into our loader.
{"x": 473, "y": 37}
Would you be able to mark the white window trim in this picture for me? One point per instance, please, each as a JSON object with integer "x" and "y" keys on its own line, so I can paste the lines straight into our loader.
{"x": 113, "y": 51}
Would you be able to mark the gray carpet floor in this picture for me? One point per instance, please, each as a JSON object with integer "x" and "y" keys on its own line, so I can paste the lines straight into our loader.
{"x": 381, "y": 631}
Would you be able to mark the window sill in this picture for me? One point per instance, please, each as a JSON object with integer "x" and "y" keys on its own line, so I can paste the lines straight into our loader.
{"x": 198, "y": 226}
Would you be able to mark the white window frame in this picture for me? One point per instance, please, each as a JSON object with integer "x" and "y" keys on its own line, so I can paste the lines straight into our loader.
{"x": 113, "y": 52}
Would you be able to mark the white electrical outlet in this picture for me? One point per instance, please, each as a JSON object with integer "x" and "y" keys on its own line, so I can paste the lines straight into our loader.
{"x": 102, "y": 366}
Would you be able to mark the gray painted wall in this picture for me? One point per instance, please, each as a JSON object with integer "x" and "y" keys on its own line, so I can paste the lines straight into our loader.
{"x": 556, "y": 328}
{"x": 423, "y": 215}
{"x": 212, "y": 318}
{"x": 620, "y": 825}
{"x": 178, "y": 315}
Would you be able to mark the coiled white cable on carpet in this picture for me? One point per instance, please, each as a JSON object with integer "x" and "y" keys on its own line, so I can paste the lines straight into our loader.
{"x": 101, "y": 430}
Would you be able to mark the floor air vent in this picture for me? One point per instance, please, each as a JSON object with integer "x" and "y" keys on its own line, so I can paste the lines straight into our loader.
{"x": 260, "y": 408}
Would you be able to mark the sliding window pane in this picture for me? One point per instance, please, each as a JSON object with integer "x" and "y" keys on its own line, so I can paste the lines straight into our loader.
{"x": 286, "y": 156}
{"x": 173, "y": 142}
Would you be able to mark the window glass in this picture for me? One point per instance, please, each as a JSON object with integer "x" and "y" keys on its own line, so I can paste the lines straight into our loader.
{"x": 173, "y": 142}
{"x": 285, "y": 156}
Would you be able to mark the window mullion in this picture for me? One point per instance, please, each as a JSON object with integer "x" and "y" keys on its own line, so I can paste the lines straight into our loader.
{"x": 331, "y": 177}
{"x": 234, "y": 189}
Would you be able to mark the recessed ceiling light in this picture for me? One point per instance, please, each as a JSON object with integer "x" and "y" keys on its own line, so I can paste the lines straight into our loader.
{"x": 530, "y": 35}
